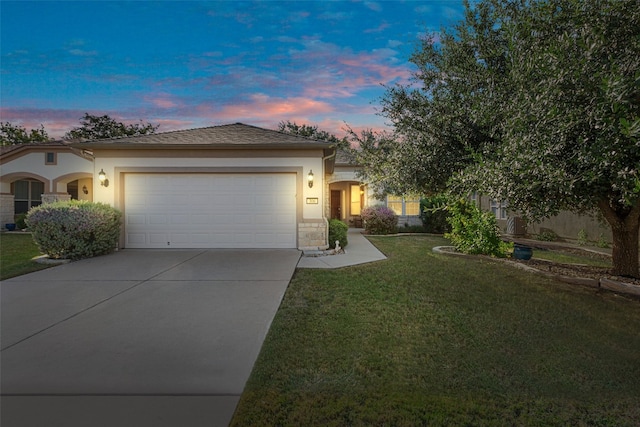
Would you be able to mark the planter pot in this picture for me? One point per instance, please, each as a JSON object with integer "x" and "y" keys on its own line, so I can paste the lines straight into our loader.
{"x": 10, "y": 227}
{"x": 522, "y": 252}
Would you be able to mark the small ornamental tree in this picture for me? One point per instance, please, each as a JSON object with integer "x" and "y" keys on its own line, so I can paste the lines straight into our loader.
{"x": 74, "y": 229}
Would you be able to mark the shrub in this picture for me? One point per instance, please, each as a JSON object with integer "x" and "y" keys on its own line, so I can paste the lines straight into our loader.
{"x": 433, "y": 213}
{"x": 474, "y": 231}
{"x": 74, "y": 229}
{"x": 583, "y": 237}
{"x": 379, "y": 220}
{"x": 20, "y": 221}
{"x": 547, "y": 235}
{"x": 338, "y": 231}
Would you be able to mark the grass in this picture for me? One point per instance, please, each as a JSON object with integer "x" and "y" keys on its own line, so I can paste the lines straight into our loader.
{"x": 16, "y": 253}
{"x": 569, "y": 258}
{"x": 428, "y": 339}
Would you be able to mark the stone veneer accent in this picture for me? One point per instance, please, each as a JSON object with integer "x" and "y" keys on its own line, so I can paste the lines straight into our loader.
{"x": 312, "y": 235}
{"x": 6, "y": 209}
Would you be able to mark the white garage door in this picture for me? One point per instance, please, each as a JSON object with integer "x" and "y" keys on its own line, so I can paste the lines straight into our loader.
{"x": 210, "y": 210}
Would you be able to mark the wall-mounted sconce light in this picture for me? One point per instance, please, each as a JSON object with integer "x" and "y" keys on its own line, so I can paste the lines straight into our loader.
{"x": 103, "y": 178}
{"x": 85, "y": 190}
{"x": 310, "y": 178}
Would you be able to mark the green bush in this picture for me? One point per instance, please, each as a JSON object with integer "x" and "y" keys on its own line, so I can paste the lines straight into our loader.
{"x": 74, "y": 229}
{"x": 338, "y": 231}
{"x": 433, "y": 213}
{"x": 474, "y": 231}
{"x": 379, "y": 220}
{"x": 547, "y": 235}
{"x": 20, "y": 221}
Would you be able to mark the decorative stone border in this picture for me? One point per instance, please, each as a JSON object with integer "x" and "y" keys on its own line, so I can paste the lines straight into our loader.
{"x": 44, "y": 259}
{"x": 603, "y": 283}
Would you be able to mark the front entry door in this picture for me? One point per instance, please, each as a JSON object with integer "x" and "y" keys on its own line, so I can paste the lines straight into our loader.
{"x": 336, "y": 209}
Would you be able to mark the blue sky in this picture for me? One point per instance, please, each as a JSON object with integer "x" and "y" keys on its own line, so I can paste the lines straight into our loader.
{"x": 192, "y": 64}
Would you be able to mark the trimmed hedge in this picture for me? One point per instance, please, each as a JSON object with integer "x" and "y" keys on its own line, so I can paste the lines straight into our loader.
{"x": 379, "y": 220}
{"x": 74, "y": 229}
{"x": 338, "y": 231}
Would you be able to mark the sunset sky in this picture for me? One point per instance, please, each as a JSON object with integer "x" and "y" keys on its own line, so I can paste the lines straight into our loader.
{"x": 192, "y": 64}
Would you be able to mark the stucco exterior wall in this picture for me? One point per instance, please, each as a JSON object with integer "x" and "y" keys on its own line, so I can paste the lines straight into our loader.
{"x": 34, "y": 163}
{"x": 113, "y": 165}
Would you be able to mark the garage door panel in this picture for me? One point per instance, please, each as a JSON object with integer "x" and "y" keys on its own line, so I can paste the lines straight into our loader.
{"x": 210, "y": 210}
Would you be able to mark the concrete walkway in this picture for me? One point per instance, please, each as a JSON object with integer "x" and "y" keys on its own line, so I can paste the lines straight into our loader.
{"x": 137, "y": 338}
{"x": 358, "y": 251}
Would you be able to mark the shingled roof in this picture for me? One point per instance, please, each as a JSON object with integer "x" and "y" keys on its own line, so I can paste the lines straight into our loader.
{"x": 236, "y": 135}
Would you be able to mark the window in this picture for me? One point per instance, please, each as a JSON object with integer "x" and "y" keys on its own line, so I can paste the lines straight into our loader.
{"x": 404, "y": 206}
{"x": 356, "y": 200}
{"x": 27, "y": 194}
{"x": 395, "y": 204}
{"x": 499, "y": 209}
{"x": 50, "y": 158}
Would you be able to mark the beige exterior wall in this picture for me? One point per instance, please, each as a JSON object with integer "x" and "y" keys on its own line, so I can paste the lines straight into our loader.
{"x": 34, "y": 163}
{"x": 312, "y": 225}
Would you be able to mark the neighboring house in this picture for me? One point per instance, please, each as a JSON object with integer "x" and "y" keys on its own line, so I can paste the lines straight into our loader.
{"x": 565, "y": 225}
{"x": 230, "y": 186}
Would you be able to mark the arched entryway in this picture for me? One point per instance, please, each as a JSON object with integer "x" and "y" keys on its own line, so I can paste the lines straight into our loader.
{"x": 346, "y": 200}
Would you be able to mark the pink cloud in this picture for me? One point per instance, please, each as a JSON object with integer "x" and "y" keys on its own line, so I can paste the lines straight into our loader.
{"x": 163, "y": 101}
{"x": 261, "y": 106}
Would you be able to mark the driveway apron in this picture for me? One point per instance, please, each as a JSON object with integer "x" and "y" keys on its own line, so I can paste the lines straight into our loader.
{"x": 139, "y": 337}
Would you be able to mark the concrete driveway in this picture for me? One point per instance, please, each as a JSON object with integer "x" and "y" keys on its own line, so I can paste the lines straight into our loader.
{"x": 137, "y": 338}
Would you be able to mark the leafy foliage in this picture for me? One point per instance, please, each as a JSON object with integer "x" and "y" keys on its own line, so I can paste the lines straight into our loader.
{"x": 103, "y": 127}
{"x": 379, "y": 220}
{"x": 74, "y": 229}
{"x": 309, "y": 131}
{"x": 535, "y": 102}
{"x": 433, "y": 213}
{"x": 338, "y": 231}
{"x": 474, "y": 231}
{"x": 14, "y": 134}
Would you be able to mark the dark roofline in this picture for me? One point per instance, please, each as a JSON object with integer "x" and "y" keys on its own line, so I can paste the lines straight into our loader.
{"x": 247, "y": 133}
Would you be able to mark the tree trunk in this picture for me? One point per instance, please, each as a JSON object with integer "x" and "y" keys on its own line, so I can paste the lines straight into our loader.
{"x": 625, "y": 228}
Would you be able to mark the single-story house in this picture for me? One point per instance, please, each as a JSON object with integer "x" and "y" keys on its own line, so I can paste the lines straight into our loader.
{"x": 229, "y": 186}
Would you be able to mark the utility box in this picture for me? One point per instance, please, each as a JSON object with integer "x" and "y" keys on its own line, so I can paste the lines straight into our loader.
{"x": 516, "y": 226}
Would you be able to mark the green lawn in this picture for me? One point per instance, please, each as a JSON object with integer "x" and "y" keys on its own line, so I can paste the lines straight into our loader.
{"x": 428, "y": 339}
{"x": 570, "y": 258}
{"x": 16, "y": 253}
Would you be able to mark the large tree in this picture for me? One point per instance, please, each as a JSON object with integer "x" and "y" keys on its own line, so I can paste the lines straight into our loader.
{"x": 11, "y": 134}
{"x": 533, "y": 101}
{"x": 103, "y": 127}
{"x": 311, "y": 131}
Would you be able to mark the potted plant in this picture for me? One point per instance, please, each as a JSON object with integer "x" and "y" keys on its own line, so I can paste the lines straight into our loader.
{"x": 522, "y": 252}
